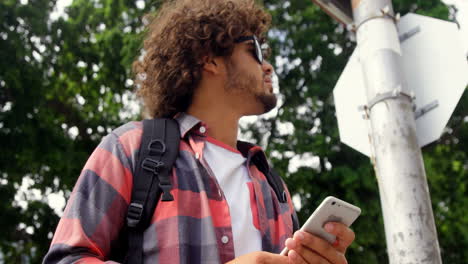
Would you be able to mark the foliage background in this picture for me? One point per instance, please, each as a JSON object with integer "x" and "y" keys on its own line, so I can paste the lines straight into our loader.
{"x": 65, "y": 82}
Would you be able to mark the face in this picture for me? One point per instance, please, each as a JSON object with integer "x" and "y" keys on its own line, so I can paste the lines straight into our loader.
{"x": 249, "y": 80}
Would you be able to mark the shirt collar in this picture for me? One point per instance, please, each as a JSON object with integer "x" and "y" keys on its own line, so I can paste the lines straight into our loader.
{"x": 186, "y": 123}
{"x": 250, "y": 151}
{"x": 254, "y": 154}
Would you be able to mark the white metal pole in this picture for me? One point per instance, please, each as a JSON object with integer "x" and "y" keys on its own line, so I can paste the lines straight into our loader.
{"x": 409, "y": 222}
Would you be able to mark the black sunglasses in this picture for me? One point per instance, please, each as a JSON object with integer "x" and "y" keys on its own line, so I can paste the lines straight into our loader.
{"x": 258, "y": 48}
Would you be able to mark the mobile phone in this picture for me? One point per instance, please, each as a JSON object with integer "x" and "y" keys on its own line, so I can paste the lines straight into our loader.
{"x": 331, "y": 209}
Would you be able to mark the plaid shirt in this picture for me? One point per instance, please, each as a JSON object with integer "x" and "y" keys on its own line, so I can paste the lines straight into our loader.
{"x": 194, "y": 228}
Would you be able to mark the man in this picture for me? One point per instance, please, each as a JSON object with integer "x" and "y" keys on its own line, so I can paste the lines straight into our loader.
{"x": 203, "y": 66}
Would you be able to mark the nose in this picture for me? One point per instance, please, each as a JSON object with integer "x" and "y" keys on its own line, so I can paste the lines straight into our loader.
{"x": 267, "y": 68}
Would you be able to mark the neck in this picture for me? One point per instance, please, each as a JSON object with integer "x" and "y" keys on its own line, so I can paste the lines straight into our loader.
{"x": 222, "y": 124}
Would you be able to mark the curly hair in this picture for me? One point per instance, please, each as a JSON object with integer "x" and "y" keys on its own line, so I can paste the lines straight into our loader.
{"x": 178, "y": 38}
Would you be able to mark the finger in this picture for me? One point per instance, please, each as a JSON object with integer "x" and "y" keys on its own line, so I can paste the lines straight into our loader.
{"x": 344, "y": 235}
{"x": 308, "y": 245}
{"x": 295, "y": 258}
{"x": 312, "y": 258}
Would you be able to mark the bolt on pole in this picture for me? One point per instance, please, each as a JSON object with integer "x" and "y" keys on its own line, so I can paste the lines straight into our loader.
{"x": 409, "y": 221}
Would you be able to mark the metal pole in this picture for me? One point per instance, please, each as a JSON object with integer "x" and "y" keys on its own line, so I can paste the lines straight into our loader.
{"x": 409, "y": 222}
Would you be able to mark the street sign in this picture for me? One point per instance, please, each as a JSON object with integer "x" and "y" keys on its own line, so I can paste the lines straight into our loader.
{"x": 338, "y": 9}
{"x": 435, "y": 69}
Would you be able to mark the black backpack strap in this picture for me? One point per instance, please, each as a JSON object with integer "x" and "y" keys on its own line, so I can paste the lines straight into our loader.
{"x": 275, "y": 181}
{"x": 277, "y": 184}
{"x": 295, "y": 221}
{"x": 158, "y": 151}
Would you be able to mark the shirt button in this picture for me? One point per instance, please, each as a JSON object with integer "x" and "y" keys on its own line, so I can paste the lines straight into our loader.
{"x": 197, "y": 155}
{"x": 225, "y": 239}
{"x": 202, "y": 129}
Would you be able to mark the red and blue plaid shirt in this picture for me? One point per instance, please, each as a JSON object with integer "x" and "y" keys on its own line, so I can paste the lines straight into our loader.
{"x": 194, "y": 228}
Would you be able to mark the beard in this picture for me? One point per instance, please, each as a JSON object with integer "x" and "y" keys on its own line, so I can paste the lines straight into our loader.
{"x": 267, "y": 100}
{"x": 243, "y": 83}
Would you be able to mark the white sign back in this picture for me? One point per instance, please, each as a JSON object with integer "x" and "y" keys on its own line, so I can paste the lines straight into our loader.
{"x": 435, "y": 68}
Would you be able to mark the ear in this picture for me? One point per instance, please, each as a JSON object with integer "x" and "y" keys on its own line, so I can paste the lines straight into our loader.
{"x": 211, "y": 65}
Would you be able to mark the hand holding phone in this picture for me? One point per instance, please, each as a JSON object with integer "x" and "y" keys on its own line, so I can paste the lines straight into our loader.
{"x": 331, "y": 209}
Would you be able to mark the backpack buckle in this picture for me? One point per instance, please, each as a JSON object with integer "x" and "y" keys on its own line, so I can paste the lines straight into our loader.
{"x": 166, "y": 195}
{"x": 152, "y": 165}
{"x": 284, "y": 197}
{"x": 157, "y": 147}
{"x": 134, "y": 213}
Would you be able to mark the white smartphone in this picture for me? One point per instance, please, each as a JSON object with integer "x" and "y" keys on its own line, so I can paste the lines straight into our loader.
{"x": 331, "y": 209}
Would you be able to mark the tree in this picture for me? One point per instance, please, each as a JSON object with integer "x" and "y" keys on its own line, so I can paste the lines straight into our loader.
{"x": 316, "y": 50}
{"x": 65, "y": 81}
{"x": 64, "y": 84}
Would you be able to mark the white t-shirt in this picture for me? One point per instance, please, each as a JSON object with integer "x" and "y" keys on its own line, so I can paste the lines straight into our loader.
{"x": 230, "y": 169}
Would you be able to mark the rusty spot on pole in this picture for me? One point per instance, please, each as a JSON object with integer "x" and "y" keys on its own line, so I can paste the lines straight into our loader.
{"x": 355, "y": 3}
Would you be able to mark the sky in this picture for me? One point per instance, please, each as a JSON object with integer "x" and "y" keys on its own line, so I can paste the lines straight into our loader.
{"x": 462, "y": 18}
{"x": 57, "y": 200}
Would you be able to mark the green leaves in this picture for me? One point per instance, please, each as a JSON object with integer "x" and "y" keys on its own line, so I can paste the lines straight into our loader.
{"x": 323, "y": 48}
{"x": 61, "y": 87}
